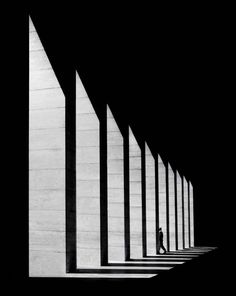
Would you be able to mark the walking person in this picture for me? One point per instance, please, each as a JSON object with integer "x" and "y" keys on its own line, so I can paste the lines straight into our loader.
{"x": 161, "y": 241}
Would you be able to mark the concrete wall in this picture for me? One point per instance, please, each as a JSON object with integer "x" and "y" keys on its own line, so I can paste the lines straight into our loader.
{"x": 46, "y": 165}
{"x": 186, "y": 215}
{"x": 150, "y": 202}
{"x": 135, "y": 198}
{"x": 191, "y": 215}
{"x": 47, "y": 180}
{"x": 162, "y": 198}
{"x": 179, "y": 211}
{"x": 172, "y": 205}
{"x": 115, "y": 170}
{"x": 87, "y": 180}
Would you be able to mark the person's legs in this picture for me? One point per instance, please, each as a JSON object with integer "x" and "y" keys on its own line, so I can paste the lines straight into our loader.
{"x": 162, "y": 247}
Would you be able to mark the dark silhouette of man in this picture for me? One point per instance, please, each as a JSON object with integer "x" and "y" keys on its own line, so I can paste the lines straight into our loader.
{"x": 161, "y": 241}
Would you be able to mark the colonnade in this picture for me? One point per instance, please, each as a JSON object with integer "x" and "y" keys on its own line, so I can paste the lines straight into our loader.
{"x": 123, "y": 191}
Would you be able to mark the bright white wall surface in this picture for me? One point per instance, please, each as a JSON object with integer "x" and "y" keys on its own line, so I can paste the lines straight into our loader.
{"x": 191, "y": 216}
{"x": 135, "y": 198}
{"x": 186, "y": 215}
{"x": 150, "y": 202}
{"x": 87, "y": 180}
{"x": 162, "y": 198}
{"x": 179, "y": 211}
{"x": 172, "y": 234}
{"x": 115, "y": 178}
{"x": 46, "y": 165}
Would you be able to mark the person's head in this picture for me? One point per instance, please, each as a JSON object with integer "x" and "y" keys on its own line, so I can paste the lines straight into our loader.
{"x": 160, "y": 229}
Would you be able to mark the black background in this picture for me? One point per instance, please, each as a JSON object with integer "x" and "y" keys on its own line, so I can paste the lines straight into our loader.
{"x": 163, "y": 70}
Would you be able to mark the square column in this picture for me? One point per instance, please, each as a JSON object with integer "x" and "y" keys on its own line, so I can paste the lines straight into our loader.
{"x": 150, "y": 202}
{"x": 172, "y": 234}
{"x": 179, "y": 211}
{"x": 46, "y": 165}
{"x": 115, "y": 170}
{"x": 136, "y": 242}
{"x": 191, "y": 215}
{"x": 162, "y": 194}
{"x": 186, "y": 213}
{"x": 87, "y": 180}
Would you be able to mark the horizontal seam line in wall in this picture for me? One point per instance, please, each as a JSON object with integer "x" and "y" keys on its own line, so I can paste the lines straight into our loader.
{"x": 87, "y": 113}
{"x": 50, "y": 108}
{"x": 42, "y": 89}
{"x": 44, "y": 70}
{"x": 46, "y": 210}
{"x": 51, "y": 251}
{"x": 117, "y": 217}
{"x": 45, "y": 88}
{"x": 87, "y": 214}
{"x": 47, "y": 128}
{"x": 35, "y": 50}
{"x": 115, "y": 145}
{"x": 47, "y": 149}
{"x": 88, "y": 196}
{"x": 87, "y": 130}
{"x": 84, "y": 248}
{"x": 90, "y": 179}
{"x": 50, "y": 189}
{"x": 40, "y": 69}
{"x": 116, "y": 188}
{"x": 42, "y": 210}
{"x": 84, "y": 146}
{"x": 46, "y": 169}
{"x": 46, "y": 230}
{"x": 119, "y": 245}
{"x": 136, "y": 194}
{"x": 87, "y": 231}
{"x": 114, "y": 202}
{"x": 63, "y": 188}
{"x": 109, "y": 158}
{"x": 84, "y": 196}
{"x": 87, "y": 162}
{"x": 116, "y": 174}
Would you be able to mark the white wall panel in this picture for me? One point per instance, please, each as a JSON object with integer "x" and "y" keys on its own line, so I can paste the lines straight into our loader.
{"x": 162, "y": 198}
{"x": 150, "y": 202}
{"x": 115, "y": 170}
{"x": 135, "y": 198}
{"x": 172, "y": 233}
{"x": 191, "y": 216}
{"x": 179, "y": 211}
{"x": 186, "y": 215}
{"x": 87, "y": 181}
{"x": 46, "y": 164}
